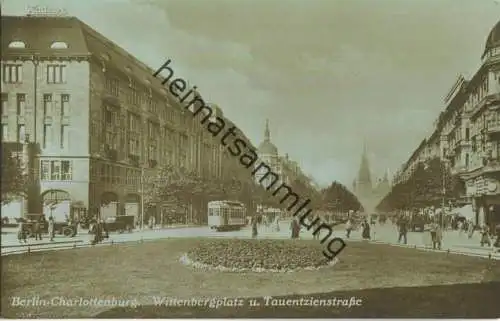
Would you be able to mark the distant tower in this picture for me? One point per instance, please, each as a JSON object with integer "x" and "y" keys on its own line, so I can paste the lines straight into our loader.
{"x": 364, "y": 186}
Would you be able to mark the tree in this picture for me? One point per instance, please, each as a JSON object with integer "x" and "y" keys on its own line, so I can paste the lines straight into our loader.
{"x": 14, "y": 179}
{"x": 337, "y": 198}
{"x": 424, "y": 187}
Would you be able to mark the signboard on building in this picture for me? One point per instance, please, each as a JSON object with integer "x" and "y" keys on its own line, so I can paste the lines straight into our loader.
{"x": 41, "y": 11}
{"x": 482, "y": 186}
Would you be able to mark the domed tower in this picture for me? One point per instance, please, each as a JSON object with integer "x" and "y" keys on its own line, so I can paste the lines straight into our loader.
{"x": 268, "y": 153}
{"x": 492, "y": 42}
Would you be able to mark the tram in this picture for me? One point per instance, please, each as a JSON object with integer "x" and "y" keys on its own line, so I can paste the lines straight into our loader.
{"x": 226, "y": 215}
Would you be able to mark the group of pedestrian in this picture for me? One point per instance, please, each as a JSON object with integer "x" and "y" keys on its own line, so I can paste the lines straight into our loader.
{"x": 99, "y": 230}
{"x": 35, "y": 228}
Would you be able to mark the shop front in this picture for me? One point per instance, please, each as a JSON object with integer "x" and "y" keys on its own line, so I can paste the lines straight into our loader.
{"x": 485, "y": 193}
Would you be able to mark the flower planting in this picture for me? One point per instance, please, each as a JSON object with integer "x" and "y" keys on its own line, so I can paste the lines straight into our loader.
{"x": 240, "y": 255}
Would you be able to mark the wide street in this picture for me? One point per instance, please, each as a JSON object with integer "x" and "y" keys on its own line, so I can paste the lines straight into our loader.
{"x": 452, "y": 240}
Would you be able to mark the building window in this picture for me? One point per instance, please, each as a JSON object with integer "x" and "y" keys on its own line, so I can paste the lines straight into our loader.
{"x": 21, "y": 104}
{"x": 64, "y": 105}
{"x": 56, "y": 170}
{"x": 46, "y": 135}
{"x": 20, "y": 133}
{"x": 59, "y": 45}
{"x": 5, "y": 132}
{"x": 64, "y": 134}
{"x": 12, "y": 74}
{"x": 56, "y": 74}
{"x": 44, "y": 170}
{"x": 47, "y": 102}
{"x": 5, "y": 104}
{"x": 66, "y": 171}
{"x": 17, "y": 44}
{"x": 112, "y": 86}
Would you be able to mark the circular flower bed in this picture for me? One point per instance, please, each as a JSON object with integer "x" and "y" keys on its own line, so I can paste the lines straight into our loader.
{"x": 238, "y": 255}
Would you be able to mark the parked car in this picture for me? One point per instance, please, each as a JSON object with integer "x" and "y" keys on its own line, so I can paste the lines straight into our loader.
{"x": 120, "y": 223}
{"x": 61, "y": 228}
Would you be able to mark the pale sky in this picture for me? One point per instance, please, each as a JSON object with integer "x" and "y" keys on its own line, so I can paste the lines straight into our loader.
{"x": 327, "y": 74}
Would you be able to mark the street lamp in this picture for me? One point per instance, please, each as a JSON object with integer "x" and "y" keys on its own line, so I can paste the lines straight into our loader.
{"x": 142, "y": 198}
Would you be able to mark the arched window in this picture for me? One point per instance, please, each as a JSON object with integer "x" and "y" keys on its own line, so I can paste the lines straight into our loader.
{"x": 59, "y": 45}
{"x": 17, "y": 44}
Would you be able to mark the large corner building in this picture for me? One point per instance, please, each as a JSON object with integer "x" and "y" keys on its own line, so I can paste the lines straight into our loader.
{"x": 97, "y": 115}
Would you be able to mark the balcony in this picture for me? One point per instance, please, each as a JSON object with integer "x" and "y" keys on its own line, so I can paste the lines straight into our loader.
{"x": 5, "y": 118}
{"x": 457, "y": 170}
{"x": 65, "y": 120}
{"x": 493, "y": 126}
{"x": 461, "y": 144}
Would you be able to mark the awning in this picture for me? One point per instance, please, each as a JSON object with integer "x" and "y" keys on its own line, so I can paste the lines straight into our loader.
{"x": 466, "y": 211}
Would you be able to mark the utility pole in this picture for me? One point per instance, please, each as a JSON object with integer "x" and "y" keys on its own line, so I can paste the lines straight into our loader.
{"x": 142, "y": 198}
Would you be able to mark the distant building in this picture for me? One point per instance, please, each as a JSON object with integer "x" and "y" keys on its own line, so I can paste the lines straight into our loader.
{"x": 369, "y": 194}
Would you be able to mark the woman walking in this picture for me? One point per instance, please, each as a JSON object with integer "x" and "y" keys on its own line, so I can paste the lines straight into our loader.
{"x": 51, "y": 228}
{"x": 365, "y": 226}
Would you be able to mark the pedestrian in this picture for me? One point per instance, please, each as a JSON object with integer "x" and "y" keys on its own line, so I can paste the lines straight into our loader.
{"x": 50, "y": 228}
{"x": 21, "y": 232}
{"x": 436, "y": 235}
{"x": 470, "y": 232}
{"x": 403, "y": 230}
{"x": 38, "y": 229}
{"x": 277, "y": 222}
{"x": 460, "y": 227}
{"x": 295, "y": 227}
{"x": 255, "y": 230}
{"x": 365, "y": 228}
{"x": 485, "y": 235}
{"x": 348, "y": 228}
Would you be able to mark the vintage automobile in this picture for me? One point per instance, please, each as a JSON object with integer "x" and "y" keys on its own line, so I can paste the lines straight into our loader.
{"x": 417, "y": 222}
{"x": 62, "y": 228}
{"x": 120, "y": 223}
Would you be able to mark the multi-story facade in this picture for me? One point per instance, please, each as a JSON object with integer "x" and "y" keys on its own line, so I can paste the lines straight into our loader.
{"x": 101, "y": 120}
{"x": 467, "y": 135}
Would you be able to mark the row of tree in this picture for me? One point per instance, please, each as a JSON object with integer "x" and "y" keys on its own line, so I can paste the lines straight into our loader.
{"x": 425, "y": 187}
{"x": 337, "y": 198}
{"x": 175, "y": 188}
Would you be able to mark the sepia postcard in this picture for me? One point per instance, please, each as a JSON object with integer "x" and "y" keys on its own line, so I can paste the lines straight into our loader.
{"x": 250, "y": 159}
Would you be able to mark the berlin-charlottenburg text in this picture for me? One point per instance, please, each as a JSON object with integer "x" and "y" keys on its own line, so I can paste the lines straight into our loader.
{"x": 248, "y": 164}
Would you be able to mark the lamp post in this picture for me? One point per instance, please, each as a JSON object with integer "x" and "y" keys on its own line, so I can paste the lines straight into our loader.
{"x": 142, "y": 198}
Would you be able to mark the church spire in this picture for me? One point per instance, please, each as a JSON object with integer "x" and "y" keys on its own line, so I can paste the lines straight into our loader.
{"x": 364, "y": 176}
{"x": 386, "y": 176}
{"x": 267, "y": 133}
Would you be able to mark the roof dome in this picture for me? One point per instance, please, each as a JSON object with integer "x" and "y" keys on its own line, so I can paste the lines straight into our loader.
{"x": 493, "y": 39}
{"x": 266, "y": 147}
